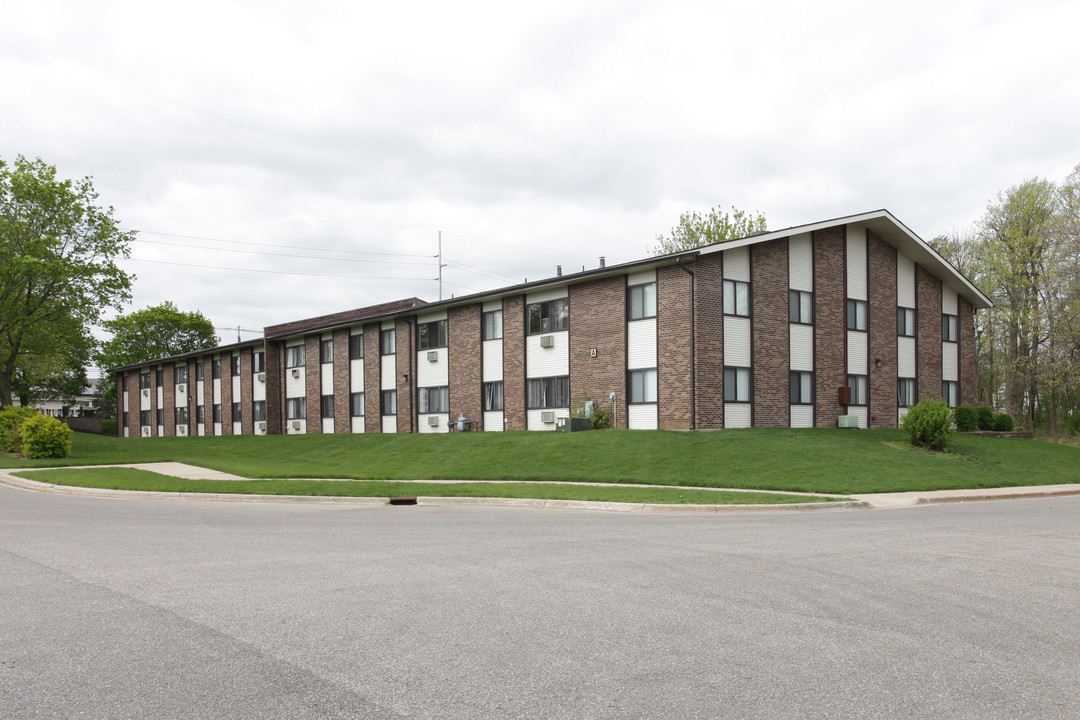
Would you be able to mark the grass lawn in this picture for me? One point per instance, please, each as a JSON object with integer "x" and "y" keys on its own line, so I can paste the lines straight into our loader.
{"x": 133, "y": 479}
{"x": 833, "y": 461}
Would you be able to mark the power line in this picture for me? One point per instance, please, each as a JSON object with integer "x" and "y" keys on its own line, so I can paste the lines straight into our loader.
{"x": 278, "y": 272}
{"x": 274, "y": 254}
{"x": 287, "y": 247}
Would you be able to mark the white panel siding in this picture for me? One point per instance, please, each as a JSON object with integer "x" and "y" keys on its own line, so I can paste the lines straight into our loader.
{"x": 856, "y": 263}
{"x": 200, "y": 393}
{"x": 127, "y": 408}
{"x": 905, "y": 357}
{"x": 490, "y": 305}
{"x": 547, "y": 362}
{"x": 861, "y": 413}
{"x": 356, "y": 375}
{"x": 643, "y": 417}
{"x": 801, "y": 342}
{"x": 493, "y": 361}
{"x": 387, "y": 325}
{"x": 856, "y": 352}
{"x": 641, "y": 278}
{"x": 432, "y": 316}
{"x": 181, "y": 398}
{"x": 905, "y": 282}
{"x": 161, "y": 396}
{"x": 802, "y": 416}
{"x": 948, "y": 301}
{"x": 736, "y": 415}
{"x": 328, "y": 426}
{"x": 238, "y": 429}
{"x": 326, "y": 379}
{"x": 200, "y": 429}
{"x": 545, "y": 295}
{"x": 493, "y": 421}
{"x": 294, "y": 386}
{"x": 388, "y": 372}
{"x": 641, "y": 344}
{"x": 737, "y": 264}
{"x": 737, "y": 341}
{"x": 389, "y": 423}
{"x": 432, "y": 374}
{"x": 144, "y": 398}
{"x": 217, "y": 391}
{"x": 217, "y": 429}
{"x": 443, "y": 420}
{"x": 535, "y": 423}
{"x": 801, "y": 263}
{"x": 258, "y": 389}
{"x": 949, "y": 362}
{"x": 358, "y": 424}
{"x": 901, "y": 414}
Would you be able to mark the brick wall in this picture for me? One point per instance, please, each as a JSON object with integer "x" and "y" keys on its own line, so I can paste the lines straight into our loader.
{"x": 226, "y": 393}
{"x": 372, "y": 416}
{"x": 881, "y": 286}
{"x": 830, "y": 331}
{"x": 673, "y": 343}
{"x": 968, "y": 381}
{"x": 598, "y": 320}
{"x": 312, "y": 384}
{"x": 465, "y": 355}
{"x": 406, "y": 377}
{"x": 709, "y": 341}
{"x": 208, "y": 393}
{"x": 514, "y": 362}
{"x": 247, "y": 385}
{"x": 771, "y": 346}
{"x": 928, "y": 350}
{"x": 168, "y": 399}
{"x": 153, "y": 402}
{"x": 275, "y": 387}
{"x": 342, "y": 381}
{"x": 192, "y": 396}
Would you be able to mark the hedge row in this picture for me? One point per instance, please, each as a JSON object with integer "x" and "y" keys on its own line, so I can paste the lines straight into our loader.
{"x": 23, "y": 430}
{"x": 982, "y": 418}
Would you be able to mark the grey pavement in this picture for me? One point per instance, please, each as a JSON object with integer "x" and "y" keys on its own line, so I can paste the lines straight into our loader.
{"x": 147, "y": 608}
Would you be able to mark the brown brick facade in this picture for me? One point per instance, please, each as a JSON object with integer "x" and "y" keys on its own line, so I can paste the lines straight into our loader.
{"x": 312, "y": 384}
{"x": 168, "y": 398}
{"x": 830, "y": 324}
{"x": 928, "y": 349}
{"x": 342, "y": 381}
{"x": 247, "y": 385}
{"x": 881, "y": 286}
{"x": 770, "y": 335}
{"x": 275, "y": 387}
{"x": 226, "y": 393}
{"x": 673, "y": 340}
{"x": 598, "y": 321}
{"x": 968, "y": 381}
{"x": 406, "y": 375}
{"x": 709, "y": 342}
{"x": 208, "y": 394}
{"x": 514, "y": 362}
{"x": 372, "y": 375}
{"x": 465, "y": 357}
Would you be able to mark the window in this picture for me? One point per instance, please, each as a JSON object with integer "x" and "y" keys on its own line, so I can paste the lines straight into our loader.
{"x": 217, "y": 413}
{"x": 550, "y": 392}
{"x": 801, "y": 307}
{"x": 388, "y": 402}
{"x": 643, "y": 386}
{"x": 144, "y": 381}
{"x": 126, "y": 419}
{"x": 326, "y": 351}
{"x": 802, "y": 388}
{"x": 492, "y": 325}
{"x": 642, "y": 301}
{"x": 215, "y": 369}
{"x": 258, "y": 410}
{"x": 356, "y": 405}
{"x": 199, "y": 370}
{"x": 857, "y": 383}
{"x": 356, "y": 347}
{"x": 200, "y": 414}
{"x": 144, "y": 418}
{"x": 295, "y": 408}
{"x": 294, "y": 356}
{"x": 388, "y": 342}
{"x": 326, "y": 407}
{"x": 236, "y": 417}
{"x": 234, "y": 362}
{"x": 949, "y": 326}
{"x": 550, "y": 316}
{"x": 905, "y": 322}
{"x": 181, "y": 416}
{"x": 434, "y": 399}
{"x": 258, "y": 362}
{"x": 950, "y": 392}
{"x": 856, "y": 315}
{"x": 493, "y": 395}
{"x": 180, "y": 374}
{"x": 431, "y": 335}
{"x": 159, "y": 417}
{"x": 736, "y": 385}
{"x": 905, "y": 392}
{"x": 123, "y": 382}
{"x": 736, "y": 298}
{"x": 158, "y": 378}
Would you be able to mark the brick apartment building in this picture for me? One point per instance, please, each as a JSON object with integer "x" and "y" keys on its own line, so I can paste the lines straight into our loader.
{"x": 852, "y": 318}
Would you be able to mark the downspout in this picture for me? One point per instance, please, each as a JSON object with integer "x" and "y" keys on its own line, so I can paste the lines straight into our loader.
{"x": 693, "y": 341}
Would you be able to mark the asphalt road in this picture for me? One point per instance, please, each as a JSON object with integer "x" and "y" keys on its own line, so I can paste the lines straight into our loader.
{"x": 140, "y": 608}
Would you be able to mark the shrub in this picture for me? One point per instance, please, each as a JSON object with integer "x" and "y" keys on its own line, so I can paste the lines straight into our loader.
{"x": 11, "y": 418}
{"x": 1072, "y": 423}
{"x": 45, "y": 437}
{"x": 599, "y": 418}
{"x": 966, "y": 419}
{"x": 985, "y": 416}
{"x": 1003, "y": 422}
{"x": 929, "y": 424}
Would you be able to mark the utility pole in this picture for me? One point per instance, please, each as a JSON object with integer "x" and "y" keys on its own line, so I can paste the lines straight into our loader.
{"x": 441, "y": 265}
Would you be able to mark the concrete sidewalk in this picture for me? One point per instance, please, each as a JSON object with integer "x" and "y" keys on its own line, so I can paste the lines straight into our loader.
{"x": 909, "y": 499}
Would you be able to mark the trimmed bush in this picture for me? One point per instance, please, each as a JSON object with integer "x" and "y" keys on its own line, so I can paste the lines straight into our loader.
{"x": 966, "y": 419}
{"x": 45, "y": 437}
{"x": 11, "y": 419}
{"x": 929, "y": 424}
{"x": 985, "y": 417}
{"x": 1003, "y": 422}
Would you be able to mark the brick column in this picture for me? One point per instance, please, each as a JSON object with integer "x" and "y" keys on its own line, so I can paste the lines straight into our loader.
{"x": 770, "y": 335}
{"x": 928, "y": 350}
{"x": 673, "y": 343}
{"x": 372, "y": 375}
{"x": 342, "y": 424}
{"x": 192, "y": 397}
{"x": 247, "y": 385}
{"x": 312, "y": 384}
{"x": 881, "y": 286}
{"x": 830, "y": 321}
{"x": 275, "y": 387}
{"x": 226, "y": 394}
{"x": 406, "y": 388}
{"x": 466, "y": 363}
{"x": 598, "y": 320}
{"x": 514, "y": 362}
{"x": 709, "y": 341}
{"x": 168, "y": 396}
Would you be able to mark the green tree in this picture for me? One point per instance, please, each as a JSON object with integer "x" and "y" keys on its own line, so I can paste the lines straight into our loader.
{"x": 58, "y": 271}
{"x": 695, "y": 230}
{"x": 154, "y": 332}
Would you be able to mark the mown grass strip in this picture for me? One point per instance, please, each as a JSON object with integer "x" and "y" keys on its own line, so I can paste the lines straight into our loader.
{"x": 135, "y": 479}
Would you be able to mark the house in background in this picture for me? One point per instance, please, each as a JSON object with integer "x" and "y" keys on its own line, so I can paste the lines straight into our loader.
{"x": 84, "y": 405}
{"x": 846, "y": 321}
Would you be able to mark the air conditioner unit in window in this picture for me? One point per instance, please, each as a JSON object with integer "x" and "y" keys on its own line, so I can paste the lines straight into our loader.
{"x": 260, "y": 427}
{"x": 146, "y": 392}
{"x": 296, "y": 372}
{"x": 548, "y": 416}
{"x": 181, "y": 430}
{"x": 295, "y": 424}
{"x": 145, "y": 431}
{"x": 547, "y": 341}
{"x": 181, "y": 388}
{"x": 433, "y": 421}
{"x": 432, "y": 356}
{"x": 260, "y": 377}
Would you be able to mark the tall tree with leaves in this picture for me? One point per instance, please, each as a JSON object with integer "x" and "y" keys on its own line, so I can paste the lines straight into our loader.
{"x": 695, "y": 230}
{"x": 58, "y": 271}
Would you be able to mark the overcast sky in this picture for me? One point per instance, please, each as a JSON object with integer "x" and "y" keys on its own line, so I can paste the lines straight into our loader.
{"x": 235, "y": 136}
